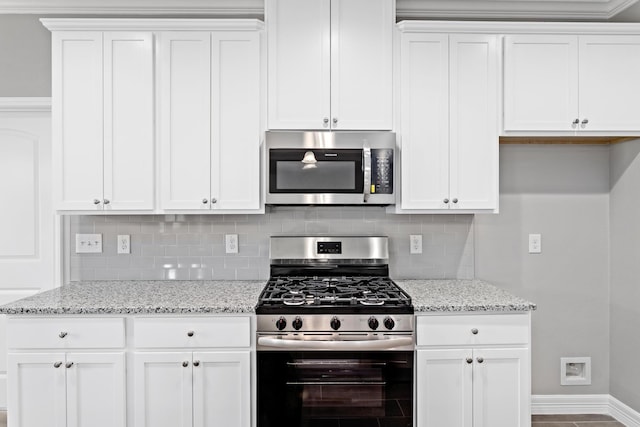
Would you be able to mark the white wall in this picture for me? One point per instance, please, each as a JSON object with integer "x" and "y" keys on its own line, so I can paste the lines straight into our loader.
{"x": 560, "y": 191}
{"x": 625, "y": 272}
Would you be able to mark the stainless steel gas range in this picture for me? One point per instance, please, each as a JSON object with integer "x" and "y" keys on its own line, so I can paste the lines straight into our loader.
{"x": 335, "y": 336}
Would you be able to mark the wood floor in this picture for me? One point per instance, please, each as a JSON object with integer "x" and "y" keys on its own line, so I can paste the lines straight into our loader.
{"x": 537, "y": 421}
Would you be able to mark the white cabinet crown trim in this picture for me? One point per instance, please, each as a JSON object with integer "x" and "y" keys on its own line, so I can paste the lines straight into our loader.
{"x": 152, "y": 24}
{"x": 18, "y": 104}
{"x": 514, "y": 27}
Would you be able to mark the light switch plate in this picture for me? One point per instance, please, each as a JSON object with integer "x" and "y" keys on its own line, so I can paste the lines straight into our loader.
{"x": 88, "y": 243}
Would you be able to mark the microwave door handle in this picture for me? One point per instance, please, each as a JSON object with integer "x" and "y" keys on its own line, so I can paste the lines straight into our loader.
{"x": 366, "y": 159}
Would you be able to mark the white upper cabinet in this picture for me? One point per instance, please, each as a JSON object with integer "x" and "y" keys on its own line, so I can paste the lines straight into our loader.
{"x": 103, "y": 146}
{"x": 210, "y": 120}
{"x": 449, "y": 122}
{"x": 330, "y": 64}
{"x": 558, "y": 83}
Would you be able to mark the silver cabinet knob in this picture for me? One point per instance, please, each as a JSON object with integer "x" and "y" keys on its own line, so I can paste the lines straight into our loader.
{"x": 196, "y": 363}
{"x": 57, "y": 365}
{"x": 325, "y": 120}
{"x": 585, "y": 121}
{"x": 185, "y": 363}
{"x": 455, "y": 200}
{"x": 96, "y": 201}
{"x": 469, "y": 360}
{"x": 480, "y": 359}
{"x": 68, "y": 365}
{"x": 190, "y": 333}
{"x": 445, "y": 201}
{"x": 107, "y": 201}
{"x": 214, "y": 201}
{"x": 474, "y": 331}
{"x": 205, "y": 201}
{"x": 335, "y": 120}
{"x": 575, "y": 122}
{"x": 62, "y": 334}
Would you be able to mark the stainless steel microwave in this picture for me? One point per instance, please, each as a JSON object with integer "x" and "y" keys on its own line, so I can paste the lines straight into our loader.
{"x": 330, "y": 168}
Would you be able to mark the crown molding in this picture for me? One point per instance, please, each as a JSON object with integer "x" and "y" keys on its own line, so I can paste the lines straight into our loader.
{"x": 518, "y": 27}
{"x": 134, "y": 24}
{"x": 24, "y": 104}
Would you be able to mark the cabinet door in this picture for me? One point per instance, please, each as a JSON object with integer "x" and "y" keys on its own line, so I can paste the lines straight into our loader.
{"x": 96, "y": 392}
{"x": 540, "y": 82}
{"x": 163, "y": 390}
{"x": 235, "y": 120}
{"x": 444, "y": 388}
{"x": 609, "y": 84}
{"x": 77, "y": 120}
{"x": 36, "y": 390}
{"x": 299, "y": 63}
{"x": 425, "y": 121}
{"x": 128, "y": 120}
{"x": 185, "y": 119}
{"x": 222, "y": 389}
{"x": 361, "y": 64}
{"x": 501, "y": 387}
{"x": 473, "y": 139}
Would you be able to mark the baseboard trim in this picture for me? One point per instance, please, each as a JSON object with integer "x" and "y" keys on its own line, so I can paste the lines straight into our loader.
{"x": 585, "y": 404}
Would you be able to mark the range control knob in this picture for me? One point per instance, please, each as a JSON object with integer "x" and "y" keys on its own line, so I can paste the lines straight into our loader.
{"x": 335, "y": 323}
{"x": 373, "y": 323}
{"x": 389, "y": 323}
{"x": 297, "y": 323}
{"x": 281, "y": 323}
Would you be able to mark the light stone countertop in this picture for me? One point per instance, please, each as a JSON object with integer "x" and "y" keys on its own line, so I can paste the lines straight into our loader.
{"x": 184, "y": 297}
{"x": 461, "y": 295}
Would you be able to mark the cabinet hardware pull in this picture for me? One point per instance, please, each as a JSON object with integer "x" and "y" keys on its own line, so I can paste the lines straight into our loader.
{"x": 205, "y": 201}
{"x": 107, "y": 201}
{"x": 469, "y": 360}
{"x": 196, "y": 363}
{"x": 62, "y": 334}
{"x": 185, "y": 363}
{"x": 335, "y": 120}
{"x": 474, "y": 331}
{"x": 585, "y": 121}
{"x": 446, "y": 200}
{"x": 190, "y": 333}
{"x": 96, "y": 201}
{"x": 69, "y": 364}
{"x": 480, "y": 359}
{"x": 214, "y": 201}
{"x": 57, "y": 364}
{"x": 325, "y": 120}
{"x": 575, "y": 122}
{"x": 455, "y": 200}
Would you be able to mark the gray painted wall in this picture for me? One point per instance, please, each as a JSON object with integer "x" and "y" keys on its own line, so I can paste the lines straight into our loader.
{"x": 560, "y": 192}
{"x": 625, "y": 272}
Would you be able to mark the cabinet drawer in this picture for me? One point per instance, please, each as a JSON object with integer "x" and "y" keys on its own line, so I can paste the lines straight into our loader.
{"x": 65, "y": 333}
{"x": 459, "y": 329}
{"x": 185, "y": 332}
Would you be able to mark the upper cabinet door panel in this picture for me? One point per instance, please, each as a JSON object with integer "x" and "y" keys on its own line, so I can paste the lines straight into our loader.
{"x": 474, "y": 121}
{"x": 185, "y": 111}
{"x": 361, "y": 64}
{"x": 540, "y": 83}
{"x": 299, "y": 63}
{"x": 610, "y": 83}
{"x": 235, "y": 120}
{"x": 425, "y": 121}
{"x": 77, "y": 119}
{"x": 128, "y": 120}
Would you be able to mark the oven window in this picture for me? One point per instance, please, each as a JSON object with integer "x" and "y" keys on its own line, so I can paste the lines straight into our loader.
{"x": 335, "y": 171}
{"x": 335, "y": 389}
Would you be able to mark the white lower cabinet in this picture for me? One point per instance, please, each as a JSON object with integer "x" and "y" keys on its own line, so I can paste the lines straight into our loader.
{"x": 66, "y": 372}
{"x": 468, "y": 381}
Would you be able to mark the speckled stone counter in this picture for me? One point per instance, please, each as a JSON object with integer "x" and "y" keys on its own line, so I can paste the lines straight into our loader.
{"x": 461, "y": 295}
{"x": 142, "y": 297}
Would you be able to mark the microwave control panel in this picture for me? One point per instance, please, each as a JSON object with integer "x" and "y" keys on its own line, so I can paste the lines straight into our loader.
{"x": 381, "y": 171}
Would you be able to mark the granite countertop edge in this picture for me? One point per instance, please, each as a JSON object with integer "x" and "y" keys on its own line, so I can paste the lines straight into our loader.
{"x": 240, "y": 297}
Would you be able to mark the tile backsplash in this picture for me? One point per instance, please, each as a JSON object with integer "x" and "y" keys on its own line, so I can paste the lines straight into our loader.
{"x": 192, "y": 247}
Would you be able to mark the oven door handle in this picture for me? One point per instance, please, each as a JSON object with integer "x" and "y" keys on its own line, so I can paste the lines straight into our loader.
{"x": 383, "y": 344}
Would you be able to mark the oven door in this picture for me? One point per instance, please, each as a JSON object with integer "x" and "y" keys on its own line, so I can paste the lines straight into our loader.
{"x": 332, "y": 389}
{"x": 320, "y": 176}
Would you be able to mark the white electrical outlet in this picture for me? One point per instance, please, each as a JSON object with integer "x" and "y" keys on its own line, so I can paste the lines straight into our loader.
{"x": 535, "y": 243}
{"x": 415, "y": 243}
{"x": 124, "y": 244}
{"x": 231, "y": 243}
{"x": 88, "y": 243}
